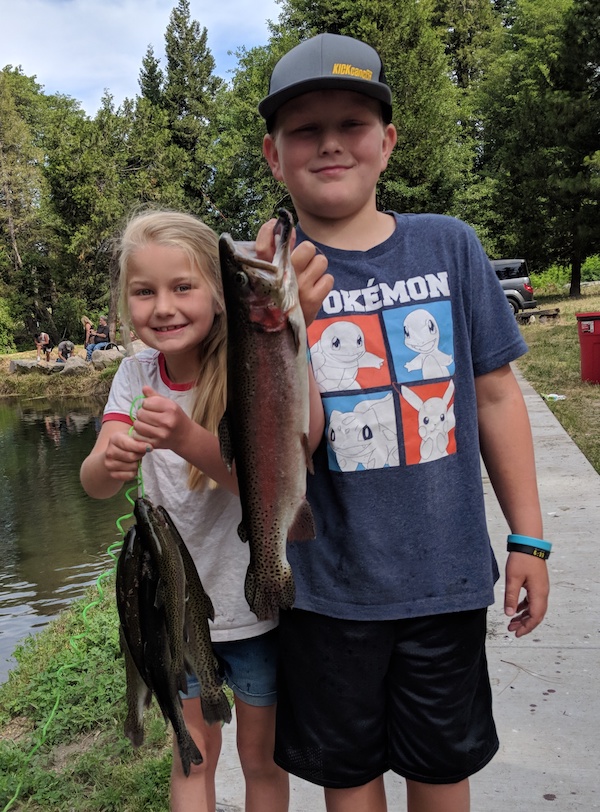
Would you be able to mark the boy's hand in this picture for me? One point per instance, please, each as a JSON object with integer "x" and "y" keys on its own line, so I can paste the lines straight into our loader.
{"x": 310, "y": 267}
{"x": 530, "y": 573}
{"x": 313, "y": 283}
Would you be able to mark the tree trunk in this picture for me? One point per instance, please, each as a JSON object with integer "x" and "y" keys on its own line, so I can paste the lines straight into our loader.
{"x": 576, "y": 263}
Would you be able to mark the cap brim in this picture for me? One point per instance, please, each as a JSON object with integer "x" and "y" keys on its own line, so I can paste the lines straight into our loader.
{"x": 374, "y": 90}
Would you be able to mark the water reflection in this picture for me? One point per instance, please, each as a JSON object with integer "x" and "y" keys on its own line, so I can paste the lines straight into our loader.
{"x": 53, "y": 538}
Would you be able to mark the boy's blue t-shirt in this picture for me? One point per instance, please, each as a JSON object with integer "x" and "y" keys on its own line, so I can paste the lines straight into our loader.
{"x": 397, "y": 490}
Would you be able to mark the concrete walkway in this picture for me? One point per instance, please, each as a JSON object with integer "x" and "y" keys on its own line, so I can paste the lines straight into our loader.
{"x": 546, "y": 687}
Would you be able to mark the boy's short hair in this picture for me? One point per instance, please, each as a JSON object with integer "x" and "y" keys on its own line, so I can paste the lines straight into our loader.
{"x": 327, "y": 62}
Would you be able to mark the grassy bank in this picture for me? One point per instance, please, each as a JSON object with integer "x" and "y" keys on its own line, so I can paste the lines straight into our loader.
{"x": 40, "y": 383}
{"x": 61, "y": 722}
{"x": 552, "y": 366}
{"x": 62, "y": 709}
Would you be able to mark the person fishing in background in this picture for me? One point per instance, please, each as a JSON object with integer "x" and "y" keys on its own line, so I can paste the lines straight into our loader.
{"x": 383, "y": 662}
{"x": 65, "y": 350}
{"x": 171, "y": 295}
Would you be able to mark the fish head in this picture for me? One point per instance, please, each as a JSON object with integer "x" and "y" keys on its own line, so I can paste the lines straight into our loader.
{"x": 261, "y": 292}
{"x": 143, "y": 510}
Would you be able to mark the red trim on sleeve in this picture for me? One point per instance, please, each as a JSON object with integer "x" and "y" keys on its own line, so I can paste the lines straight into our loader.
{"x": 120, "y": 418}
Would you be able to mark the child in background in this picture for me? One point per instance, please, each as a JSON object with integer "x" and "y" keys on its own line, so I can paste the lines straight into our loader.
{"x": 383, "y": 660}
{"x": 171, "y": 295}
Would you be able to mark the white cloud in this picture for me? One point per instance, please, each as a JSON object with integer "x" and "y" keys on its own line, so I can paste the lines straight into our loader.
{"x": 82, "y": 47}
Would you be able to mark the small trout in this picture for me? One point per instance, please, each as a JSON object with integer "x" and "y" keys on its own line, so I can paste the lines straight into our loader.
{"x": 197, "y": 649}
{"x": 265, "y": 427}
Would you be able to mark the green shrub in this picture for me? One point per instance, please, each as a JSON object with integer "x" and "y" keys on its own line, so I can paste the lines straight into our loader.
{"x": 8, "y": 327}
{"x": 552, "y": 279}
{"x": 590, "y": 270}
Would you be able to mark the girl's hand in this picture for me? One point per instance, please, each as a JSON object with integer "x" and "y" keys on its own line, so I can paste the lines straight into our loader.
{"x": 122, "y": 455}
{"x": 161, "y": 423}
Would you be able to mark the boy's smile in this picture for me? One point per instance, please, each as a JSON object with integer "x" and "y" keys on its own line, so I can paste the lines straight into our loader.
{"x": 329, "y": 148}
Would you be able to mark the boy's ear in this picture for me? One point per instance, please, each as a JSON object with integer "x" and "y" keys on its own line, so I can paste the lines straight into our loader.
{"x": 272, "y": 156}
{"x": 390, "y": 139}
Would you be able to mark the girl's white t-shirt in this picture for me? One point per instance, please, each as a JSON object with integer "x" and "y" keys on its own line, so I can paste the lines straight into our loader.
{"x": 207, "y": 520}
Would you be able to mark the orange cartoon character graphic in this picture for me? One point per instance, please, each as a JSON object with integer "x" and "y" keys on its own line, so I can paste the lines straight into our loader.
{"x": 338, "y": 356}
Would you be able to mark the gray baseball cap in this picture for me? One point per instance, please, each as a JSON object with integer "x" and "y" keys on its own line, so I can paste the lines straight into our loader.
{"x": 327, "y": 62}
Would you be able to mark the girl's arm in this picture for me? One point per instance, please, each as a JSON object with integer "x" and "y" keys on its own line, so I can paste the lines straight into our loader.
{"x": 113, "y": 460}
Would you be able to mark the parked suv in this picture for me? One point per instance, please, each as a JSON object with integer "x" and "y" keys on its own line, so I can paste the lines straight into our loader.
{"x": 514, "y": 278}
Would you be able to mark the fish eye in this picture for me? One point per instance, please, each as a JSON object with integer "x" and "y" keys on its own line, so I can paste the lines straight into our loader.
{"x": 241, "y": 279}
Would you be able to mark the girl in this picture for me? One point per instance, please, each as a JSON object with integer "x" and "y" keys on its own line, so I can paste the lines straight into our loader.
{"x": 170, "y": 287}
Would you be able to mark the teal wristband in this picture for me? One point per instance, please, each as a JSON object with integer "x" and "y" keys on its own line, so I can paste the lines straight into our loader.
{"x": 529, "y": 541}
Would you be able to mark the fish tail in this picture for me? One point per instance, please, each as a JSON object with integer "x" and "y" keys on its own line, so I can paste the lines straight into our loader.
{"x": 188, "y": 750}
{"x": 266, "y": 596}
{"x": 216, "y": 709}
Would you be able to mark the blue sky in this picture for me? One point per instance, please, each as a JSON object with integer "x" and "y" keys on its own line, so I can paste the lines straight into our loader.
{"x": 82, "y": 47}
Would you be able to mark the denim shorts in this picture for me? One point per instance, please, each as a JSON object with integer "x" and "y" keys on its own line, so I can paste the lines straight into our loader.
{"x": 248, "y": 667}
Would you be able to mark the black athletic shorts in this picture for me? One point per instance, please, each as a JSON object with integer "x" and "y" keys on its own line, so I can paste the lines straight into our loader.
{"x": 358, "y": 698}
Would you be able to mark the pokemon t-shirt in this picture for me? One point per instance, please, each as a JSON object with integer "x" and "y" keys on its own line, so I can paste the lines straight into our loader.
{"x": 397, "y": 491}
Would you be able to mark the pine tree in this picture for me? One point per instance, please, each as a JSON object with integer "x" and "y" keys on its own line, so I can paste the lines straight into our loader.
{"x": 151, "y": 78}
{"x": 189, "y": 96}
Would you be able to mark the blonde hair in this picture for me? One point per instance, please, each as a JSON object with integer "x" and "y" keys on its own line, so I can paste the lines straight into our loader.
{"x": 201, "y": 244}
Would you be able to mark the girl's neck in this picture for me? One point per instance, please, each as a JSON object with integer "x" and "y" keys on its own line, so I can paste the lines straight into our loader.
{"x": 182, "y": 369}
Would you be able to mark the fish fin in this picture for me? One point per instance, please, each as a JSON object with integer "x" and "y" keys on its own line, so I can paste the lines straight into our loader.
{"x": 295, "y": 335}
{"x": 181, "y": 681}
{"x": 159, "y": 595}
{"x": 307, "y": 454}
{"x": 303, "y": 526}
{"x": 209, "y": 608}
{"x": 188, "y": 750}
{"x": 138, "y": 697}
{"x": 242, "y": 532}
{"x": 266, "y": 596}
{"x": 225, "y": 442}
{"x": 216, "y": 710}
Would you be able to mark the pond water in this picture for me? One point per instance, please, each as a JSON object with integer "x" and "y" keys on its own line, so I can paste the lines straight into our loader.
{"x": 53, "y": 538}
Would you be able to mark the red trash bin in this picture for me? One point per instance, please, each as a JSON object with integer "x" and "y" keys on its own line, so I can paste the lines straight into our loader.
{"x": 588, "y": 326}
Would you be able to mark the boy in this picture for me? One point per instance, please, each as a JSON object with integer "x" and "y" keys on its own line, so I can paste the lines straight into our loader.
{"x": 383, "y": 656}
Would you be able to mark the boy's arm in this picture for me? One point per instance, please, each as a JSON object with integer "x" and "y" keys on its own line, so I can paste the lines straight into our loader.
{"x": 507, "y": 451}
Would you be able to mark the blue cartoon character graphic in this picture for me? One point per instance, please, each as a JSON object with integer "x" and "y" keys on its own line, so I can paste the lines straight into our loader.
{"x": 365, "y": 437}
{"x": 422, "y": 336}
{"x": 338, "y": 355}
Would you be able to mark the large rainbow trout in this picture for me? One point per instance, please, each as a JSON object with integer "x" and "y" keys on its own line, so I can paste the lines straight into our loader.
{"x": 265, "y": 427}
